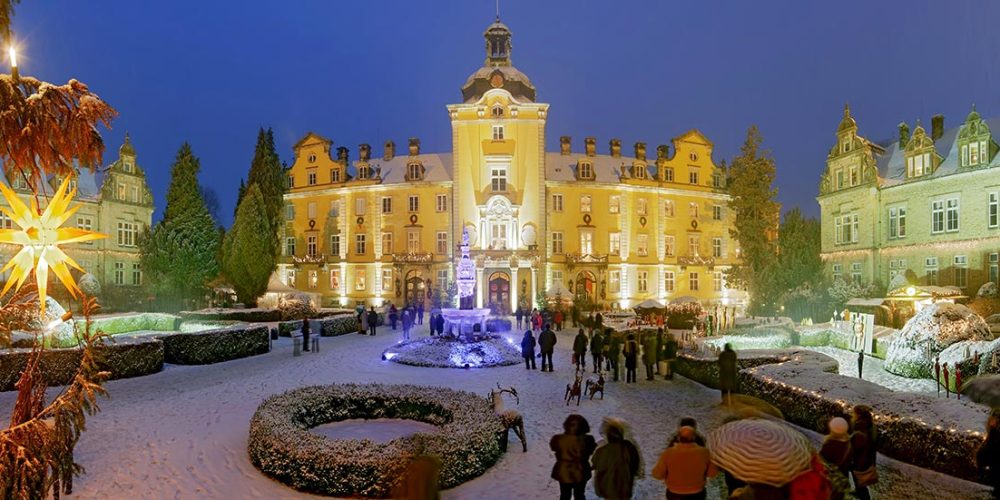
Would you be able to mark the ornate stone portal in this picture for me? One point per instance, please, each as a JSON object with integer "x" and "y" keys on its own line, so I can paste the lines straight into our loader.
{"x": 461, "y": 322}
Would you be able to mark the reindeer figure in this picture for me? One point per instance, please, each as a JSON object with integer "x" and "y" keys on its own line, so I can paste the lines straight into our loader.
{"x": 595, "y": 387}
{"x": 574, "y": 391}
{"x": 511, "y": 419}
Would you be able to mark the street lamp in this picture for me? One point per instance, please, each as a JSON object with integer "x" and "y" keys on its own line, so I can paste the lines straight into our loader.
{"x": 12, "y": 55}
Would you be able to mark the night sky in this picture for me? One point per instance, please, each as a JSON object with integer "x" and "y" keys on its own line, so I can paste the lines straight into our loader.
{"x": 213, "y": 72}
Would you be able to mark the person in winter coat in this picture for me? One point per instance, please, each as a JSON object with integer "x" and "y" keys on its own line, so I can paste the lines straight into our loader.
{"x": 670, "y": 354}
{"x": 836, "y": 451}
{"x": 727, "y": 372}
{"x": 597, "y": 349}
{"x": 393, "y": 316}
{"x": 305, "y": 334}
{"x": 616, "y": 462}
{"x": 659, "y": 348}
{"x": 440, "y": 324}
{"x": 372, "y": 320}
{"x": 547, "y": 345}
{"x": 363, "y": 322}
{"x": 528, "y": 350}
{"x": 812, "y": 484}
{"x": 988, "y": 455}
{"x": 614, "y": 352}
{"x": 407, "y": 323}
{"x": 687, "y": 422}
{"x": 519, "y": 314}
{"x": 599, "y": 319}
{"x": 631, "y": 358}
{"x": 580, "y": 350}
{"x": 685, "y": 467}
{"x": 864, "y": 448}
{"x": 649, "y": 354}
{"x": 573, "y": 449}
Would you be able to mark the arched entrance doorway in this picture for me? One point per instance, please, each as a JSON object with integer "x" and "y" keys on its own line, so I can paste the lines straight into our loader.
{"x": 499, "y": 297}
{"x": 586, "y": 286}
{"x": 415, "y": 291}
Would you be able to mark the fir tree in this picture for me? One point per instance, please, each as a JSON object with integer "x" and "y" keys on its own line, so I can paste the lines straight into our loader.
{"x": 267, "y": 173}
{"x": 752, "y": 198}
{"x": 179, "y": 255}
{"x": 799, "y": 272}
{"x": 248, "y": 258}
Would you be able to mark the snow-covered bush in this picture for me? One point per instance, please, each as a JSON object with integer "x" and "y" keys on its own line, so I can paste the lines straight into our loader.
{"x": 335, "y": 326}
{"x": 89, "y": 285}
{"x": 448, "y": 352}
{"x": 296, "y": 306}
{"x": 213, "y": 346}
{"x": 256, "y": 315}
{"x": 757, "y": 338}
{"x": 911, "y": 353}
{"x": 683, "y": 315}
{"x": 281, "y": 445}
{"x": 123, "y": 357}
{"x": 898, "y": 282}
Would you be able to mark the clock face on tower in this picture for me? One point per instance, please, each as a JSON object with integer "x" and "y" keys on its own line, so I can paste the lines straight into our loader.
{"x": 496, "y": 80}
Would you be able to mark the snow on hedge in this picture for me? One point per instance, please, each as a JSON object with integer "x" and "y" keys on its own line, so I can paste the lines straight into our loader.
{"x": 911, "y": 353}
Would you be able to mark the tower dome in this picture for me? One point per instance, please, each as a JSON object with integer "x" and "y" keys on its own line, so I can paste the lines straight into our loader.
{"x": 497, "y": 70}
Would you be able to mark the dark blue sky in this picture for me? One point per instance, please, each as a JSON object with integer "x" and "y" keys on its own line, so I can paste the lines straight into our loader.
{"x": 213, "y": 72}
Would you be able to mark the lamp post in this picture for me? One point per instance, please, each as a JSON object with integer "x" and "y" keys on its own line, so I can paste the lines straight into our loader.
{"x": 12, "y": 55}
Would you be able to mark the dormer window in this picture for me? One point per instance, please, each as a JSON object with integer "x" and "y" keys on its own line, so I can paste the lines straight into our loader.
{"x": 639, "y": 171}
{"x": 498, "y": 132}
{"x": 363, "y": 172}
{"x": 693, "y": 156}
{"x": 497, "y": 111}
{"x": 585, "y": 170}
{"x": 845, "y": 145}
{"x": 414, "y": 171}
{"x": 312, "y": 158}
{"x": 918, "y": 165}
{"x": 921, "y": 157}
{"x": 127, "y": 166}
{"x": 976, "y": 144}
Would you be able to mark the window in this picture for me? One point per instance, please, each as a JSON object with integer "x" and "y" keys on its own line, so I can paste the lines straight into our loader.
{"x": 846, "y": 228}
{"x": 497, "y": 111}
{"x": 291, "y": 181}
{"x": 668, "y": 208}
{"x": 498, "y": 235}
{"x": 311, "y": 247}
{"x": 961, "y": 271}
{"x": 557, "y": 203}
{"x": 856, "y": 272}
{"x": 334, "y": 175}
{"x": 836, "y": 271}
{"x": 557, "y": 242}
{"x": 290, "y": 246}
{"x": 716, "y": 212}
{"x": 668, "y": 245}
{"x": 119, "y": 273}
{"x": 952, "y": 215}
{"x": 311, "y": 209}
{"x": 716, "y": 180}
{"x": 414, "y": 171}
{"x": 931, "y": 270}
{"x": 135, "y": 194}
{"x": 442, "y": 279}
{"x": 615, "y": 277}
{"x": 586, "y": 243}
{"x": 442, "y": 242}
{"x": 693, "y": 210}
{"x": 442, "y": 203}
{"x": 386, "y": 279}
{"x": 693, "y": 156}
{"x": 498, "y": 132}
{"x": 498, "y": 178}
{"x": 642, "y": 245}
{"x": 585, "y": 203}
{"x": 693, "y": 177}
{"x": 840, "y": 178}
{"x": 313, "y": 279}
{"x": 668, "y": 174}
{"x": 855, "y": 180}
{"x": 994, "y": 267}
{"x": 127, "y": 232}
{"x": 363, "y": 172}
{"x": 312, "y": 158}
{"x": 127, "y": 166}
{"x": 413, "y": 241}
{"x": 937, "y": 216}
{"x": 8, "y": 223}
{"x": 557, "y": 276}
{"x": 845, "y": 145}
{"x": 586, "y": 170}
{"x": 693, "y": 244}
{"x": 974, "y": 153}
{"x": 359, "y": 244}
{"x": 386, "y": 243}
{"x": 290, "y": 277}
{"x": 640, "y": 206}
{"x": 414, "y": 202}
{"x": 136, "y": 274}
{"x": 615, "y": 243}
{"x": 897, "y": 222}
{"x": 85, "y": 223}
{"x": 992, "y": 218}
{"x": 359, "y": 206}
{"x": 311, "y": 178}
{"x": 386, "y": 205}
{"x": 614, "y": 204}
{"x": 716, "y": 247}
{"x": 693, "y": 282}
{"x": 642, "y": 281}
{"x": 360, "y": 280}
{"x": 717, "y": 282}
{"x": 334, "y": 279}
{"x": 668, "y": 281}
{"x": 121, "y": 191}
{"x": 640, "y": 171}
{"x": 334, "y": 244}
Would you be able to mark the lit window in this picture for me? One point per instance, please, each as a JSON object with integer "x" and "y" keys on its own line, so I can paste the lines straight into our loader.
{"x": 360, "y": 282}
{"x": 498, "y": 178}
{"x": 615, "y": 243}
{"x": 442, "y": 242}
{"x": 668, "y": 245}
{"x": 642, "y": 281}
{"x": 557, "y": 242}
{"x": 311, "y": 246}
{"x": 586, "y": 243}
{"x": 717, "y": 282}
{"x": 615, "y": 277}
{"x": 614, "y": 204}
{"x": 386, "y": 243}
{"x": 716, "y": 247}
{"x": 334, "y": 244}
{"x": 668, "y": 208}
{"x": 693, "y": 210}
{"x": 498, "y": 132}
{"x": 642, "y": 245}
{"x": 334, "y": 279}
{"x": 386, "y": 279}
{"x": 413, "y": 241}
{"x": 498, "y": 235}
{"x": 585, "y": 203}
{"x": 290, "y": 277}
{"x": 668, "y": 280}
{"x": 313, "y": 278}
{"x": 640, "y": 207}
{"x": 693, "y": 244}
{"x": 442, "y": 279}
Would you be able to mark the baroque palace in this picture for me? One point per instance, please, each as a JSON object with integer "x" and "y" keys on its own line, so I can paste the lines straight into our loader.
{"x": 924, "y": 206}
{"x": 608, "y": 228}
{"x": 115, "y": 201}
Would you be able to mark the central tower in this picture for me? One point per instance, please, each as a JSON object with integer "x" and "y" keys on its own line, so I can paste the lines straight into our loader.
{"x": 498, "y": 140}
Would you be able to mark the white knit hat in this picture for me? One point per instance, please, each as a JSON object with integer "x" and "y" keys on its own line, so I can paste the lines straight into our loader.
{"x": 838, "y": 426}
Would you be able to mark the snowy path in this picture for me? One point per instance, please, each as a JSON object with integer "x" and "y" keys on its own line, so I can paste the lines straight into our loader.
{"x": 182, "y": 433}
{"x": 875, "y": 372}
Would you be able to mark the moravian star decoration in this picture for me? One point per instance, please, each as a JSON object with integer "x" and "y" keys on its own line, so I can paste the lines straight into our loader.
{"x": 39, "y": 236}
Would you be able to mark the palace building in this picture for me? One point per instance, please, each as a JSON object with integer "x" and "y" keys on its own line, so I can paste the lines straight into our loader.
{"x": 115, "y": 201}
{"x": 925, "y": 206}
{"x": 611, "y": 228}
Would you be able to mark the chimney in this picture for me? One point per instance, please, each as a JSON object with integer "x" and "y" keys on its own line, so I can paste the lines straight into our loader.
{"x": 904, "y": 134}
{"x": 616, "y": 148}
{"x": 640, "y": 151}
{"x": 662, "y": 151}
{"x": 564, "y": 145}
{"x": 590, "y": 143}
{"x": 414, "y": 146}
{"x": 365, "y": 151}
{"x": 937, "y": 126}
{"x": 342, "y": 155}
{"x": 390, "y": 150}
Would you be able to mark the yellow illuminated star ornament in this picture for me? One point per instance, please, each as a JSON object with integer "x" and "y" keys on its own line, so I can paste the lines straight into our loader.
{"x": 39, "y": 236}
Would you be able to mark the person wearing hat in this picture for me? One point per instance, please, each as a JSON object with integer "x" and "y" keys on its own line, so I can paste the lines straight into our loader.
{"x": 616, "y": 462}
{"x": 684, "y": 467}
{"x": 836, "y": 451}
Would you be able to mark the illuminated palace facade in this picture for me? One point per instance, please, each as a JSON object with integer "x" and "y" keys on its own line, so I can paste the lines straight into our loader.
{"x": 115, "y": 201}
{"x": 614, "y": 228}
{"x": 925, "y": 206}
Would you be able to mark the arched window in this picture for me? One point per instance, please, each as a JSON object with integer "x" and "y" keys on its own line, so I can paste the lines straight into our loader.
{"x": 414, "y": 171}
{"x": 497, "y": 111}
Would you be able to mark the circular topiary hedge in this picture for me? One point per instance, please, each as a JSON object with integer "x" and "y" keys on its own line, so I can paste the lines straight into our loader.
{"x": 282, "y": 446}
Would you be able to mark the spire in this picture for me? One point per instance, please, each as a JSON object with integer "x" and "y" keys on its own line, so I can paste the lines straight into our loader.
{"x": 498, "y": 43}
{"x": 847, "y": 123}
{"x": 127, "y": 148}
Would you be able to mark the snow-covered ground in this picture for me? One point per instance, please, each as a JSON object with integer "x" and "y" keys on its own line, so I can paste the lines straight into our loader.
{"x": 182, "y": 433}
{"x": 874, "y": 371}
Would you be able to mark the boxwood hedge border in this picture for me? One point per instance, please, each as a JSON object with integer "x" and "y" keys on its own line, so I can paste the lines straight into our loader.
{"x": 282, "y": 447}
{"x": 123, "y": 357}
{"x": 213, "y": 346}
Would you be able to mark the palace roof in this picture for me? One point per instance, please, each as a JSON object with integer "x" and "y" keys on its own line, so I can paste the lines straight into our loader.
{"x": 892, "y": 163}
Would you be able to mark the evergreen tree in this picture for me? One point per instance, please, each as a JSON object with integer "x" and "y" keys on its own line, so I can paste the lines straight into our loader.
{"x": 753, "y": 201}
{"x": 269, "y": 176}
{"x": 799, "y": 273}
{"x": 249, "y": 258}
{"x": 179, "y": 255}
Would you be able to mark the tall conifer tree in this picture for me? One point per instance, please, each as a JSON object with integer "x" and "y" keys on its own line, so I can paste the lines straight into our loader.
{"x": 248, "y": 258}
{"x": 267, "y": 173}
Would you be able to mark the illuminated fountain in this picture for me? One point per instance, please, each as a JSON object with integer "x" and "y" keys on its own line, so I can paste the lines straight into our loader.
{"x": 461, "y": 322}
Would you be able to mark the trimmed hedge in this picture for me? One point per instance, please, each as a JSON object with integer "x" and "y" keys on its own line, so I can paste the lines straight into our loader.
{"x": 804, "y": 385}
{"x": 127, "y": 323}
{"x": 212, "y": 346}
{"x": 281, "y": 445}
{"x": 245, "y": 315}
{"x": 123, "y": 357}
{"x": 338, "y": 325}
